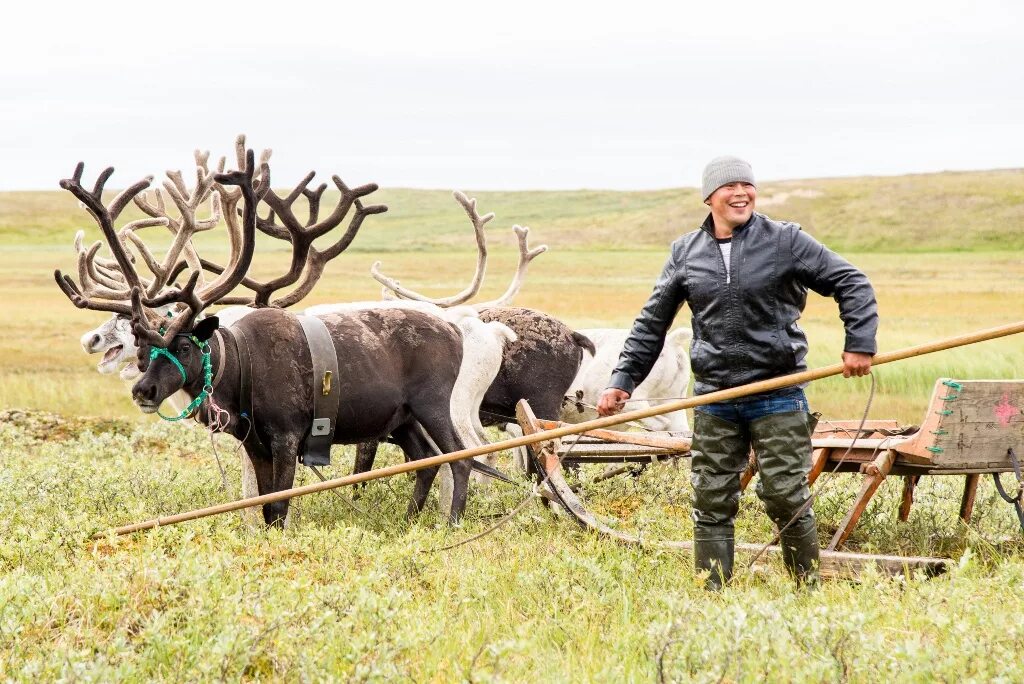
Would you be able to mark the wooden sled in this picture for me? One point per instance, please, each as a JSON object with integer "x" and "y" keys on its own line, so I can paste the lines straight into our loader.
{"x": 971, "y": 428}
{"x": 548, "y": 457}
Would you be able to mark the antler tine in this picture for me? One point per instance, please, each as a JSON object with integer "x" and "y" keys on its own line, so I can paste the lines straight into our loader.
{"x": 469, "y": 205}
{"x": 71, "y": 291}
{"x": 104, "y": 215}
{"x": 95, "y": 284}
{"x": 242, "y": 258}
{"x": 313, "y": 197}
{"x": 147, "y": 256}
{"x": 317, "y": 260}
{"x": 88, "y": 256}
{"x": 526, "y": 255}
{"x": 268, "y": 226}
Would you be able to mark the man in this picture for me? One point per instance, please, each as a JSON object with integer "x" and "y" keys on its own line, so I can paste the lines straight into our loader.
{"x": 745, "y": 278}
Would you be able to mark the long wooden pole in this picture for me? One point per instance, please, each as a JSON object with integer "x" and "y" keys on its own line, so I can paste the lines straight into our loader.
{"x": 722, "y": 395}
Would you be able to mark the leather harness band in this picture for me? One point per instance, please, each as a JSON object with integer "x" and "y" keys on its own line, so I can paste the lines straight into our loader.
{"x": 238, "y": 338}
{"x": 326, "y": 392}
{"x": 325, "y": 388}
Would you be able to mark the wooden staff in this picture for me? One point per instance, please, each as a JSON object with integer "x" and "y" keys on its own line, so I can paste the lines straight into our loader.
{"x": 608, "y": 421}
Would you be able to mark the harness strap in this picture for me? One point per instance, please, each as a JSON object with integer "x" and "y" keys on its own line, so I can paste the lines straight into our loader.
{"x": 245, "y": 383}
{"x": 223, "y": 358}
{"x": 160, "y": 351}
{"x": 326, "y": 392}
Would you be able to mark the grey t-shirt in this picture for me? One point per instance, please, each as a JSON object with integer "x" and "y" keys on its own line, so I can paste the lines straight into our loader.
{"x": 725, "y": 244}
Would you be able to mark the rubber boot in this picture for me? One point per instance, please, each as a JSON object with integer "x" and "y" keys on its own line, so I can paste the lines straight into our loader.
{"x": 720, "y": 452}
{"x": 800, "y": 551}
{"x": 782, "y": 444}
{"x": 713, "y": 550}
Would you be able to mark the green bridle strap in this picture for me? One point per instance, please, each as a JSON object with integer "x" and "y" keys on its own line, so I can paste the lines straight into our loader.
{"x": 207, "y": 390}
{"x": 160, "y": 351}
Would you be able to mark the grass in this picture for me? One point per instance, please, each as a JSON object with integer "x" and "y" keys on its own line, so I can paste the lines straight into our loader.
{"x": 962, "y": 211}
{"x": 343, "y": 595}
{"x": 368, "y": 598}
{"x": 927, "y": 297}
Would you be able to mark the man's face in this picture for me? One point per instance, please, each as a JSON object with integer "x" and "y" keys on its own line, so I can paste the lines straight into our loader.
{"x": 733, "y": 203}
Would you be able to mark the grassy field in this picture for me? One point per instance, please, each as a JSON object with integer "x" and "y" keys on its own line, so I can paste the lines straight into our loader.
{"x": 368, "y": 597}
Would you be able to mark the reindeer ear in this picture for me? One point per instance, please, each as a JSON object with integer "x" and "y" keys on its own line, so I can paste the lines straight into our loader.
{"x": 204, "y": 328}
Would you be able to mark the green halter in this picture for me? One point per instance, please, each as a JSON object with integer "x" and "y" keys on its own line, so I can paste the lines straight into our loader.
{"x": 207, "y": 390}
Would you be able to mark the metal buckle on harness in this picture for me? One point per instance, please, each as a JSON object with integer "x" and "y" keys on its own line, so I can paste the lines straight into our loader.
{"x": 321, "y": 426}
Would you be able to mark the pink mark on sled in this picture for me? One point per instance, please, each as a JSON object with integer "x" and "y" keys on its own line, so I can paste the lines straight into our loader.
{"x": 1005, "y": 411}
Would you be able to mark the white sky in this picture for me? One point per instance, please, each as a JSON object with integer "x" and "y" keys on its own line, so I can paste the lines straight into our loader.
{"x": 515, "y": 95}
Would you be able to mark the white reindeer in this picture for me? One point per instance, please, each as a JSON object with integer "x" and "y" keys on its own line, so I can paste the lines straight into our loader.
{"x": 669, "y": 378}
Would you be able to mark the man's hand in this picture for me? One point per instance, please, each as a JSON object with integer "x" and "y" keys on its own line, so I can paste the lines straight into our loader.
{"x": 855, "y": 364}
{"x": 611, "y": 401}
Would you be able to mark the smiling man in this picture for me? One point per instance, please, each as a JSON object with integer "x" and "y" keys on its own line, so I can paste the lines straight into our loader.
{"x": 745, "y": 278}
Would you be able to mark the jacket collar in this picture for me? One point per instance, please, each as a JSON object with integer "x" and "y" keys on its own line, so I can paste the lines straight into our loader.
{"x": 709, "y": 224}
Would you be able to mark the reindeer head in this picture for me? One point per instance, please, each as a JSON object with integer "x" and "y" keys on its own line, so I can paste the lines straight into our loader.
{"x": 175, "y": 353}
{"x": 183, "y": 363}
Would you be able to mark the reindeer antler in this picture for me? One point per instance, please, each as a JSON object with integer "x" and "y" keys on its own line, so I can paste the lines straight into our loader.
{"x": 183, "y": 228}
{"x": 105, "y": 216}
{"x": 526, "y": 255}
{"x": 308, "y": 262}
{"x": 195, "y": 301}
{"x": 481, "y": 262}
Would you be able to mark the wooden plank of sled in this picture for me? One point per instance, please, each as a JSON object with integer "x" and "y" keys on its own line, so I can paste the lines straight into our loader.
{"x": 840, "y": 443}
{"x": 970, "y": 424}
{"x": 664, "y": 440}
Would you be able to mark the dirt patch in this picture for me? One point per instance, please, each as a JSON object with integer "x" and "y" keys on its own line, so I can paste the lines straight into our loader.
{"x": 45, "y": 426}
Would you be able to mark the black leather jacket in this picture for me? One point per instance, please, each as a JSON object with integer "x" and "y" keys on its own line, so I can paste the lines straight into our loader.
{"x": 746, "y": 330}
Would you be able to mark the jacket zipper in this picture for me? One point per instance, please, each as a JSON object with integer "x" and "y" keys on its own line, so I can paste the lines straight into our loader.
{"x": 730, "y": 314}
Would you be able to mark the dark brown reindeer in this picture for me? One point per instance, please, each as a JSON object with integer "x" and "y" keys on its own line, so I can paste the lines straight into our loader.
{"x": 397, "y": 367}
{"x": 539, "y": 366}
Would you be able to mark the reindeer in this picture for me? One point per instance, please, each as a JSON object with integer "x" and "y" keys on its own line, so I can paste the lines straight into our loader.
{"x": 398, "y": 366}
{"x": 482, "y": 342}
{"x": 669, "y": 378}
{"x": 539, "y": 366}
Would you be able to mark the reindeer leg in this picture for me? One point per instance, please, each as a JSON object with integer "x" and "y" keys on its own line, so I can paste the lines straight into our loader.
{"x": 416, "y": 448}
{"x": 366, "y": 453}
{"x": 447, "y": 439}
{"x": 263, "y": 470}
{"x": 285, "y": 451}
{"x": 250, "y": 486}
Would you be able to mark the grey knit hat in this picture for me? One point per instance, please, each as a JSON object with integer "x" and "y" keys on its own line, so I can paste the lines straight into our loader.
{"x": 724, "y": 170}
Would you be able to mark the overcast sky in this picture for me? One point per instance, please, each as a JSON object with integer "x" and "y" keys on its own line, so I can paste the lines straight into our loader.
{"x": 516, "y": 95}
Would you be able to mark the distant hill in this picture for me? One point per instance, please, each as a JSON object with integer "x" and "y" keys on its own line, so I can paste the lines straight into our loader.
{"x": 952, "y": 211}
